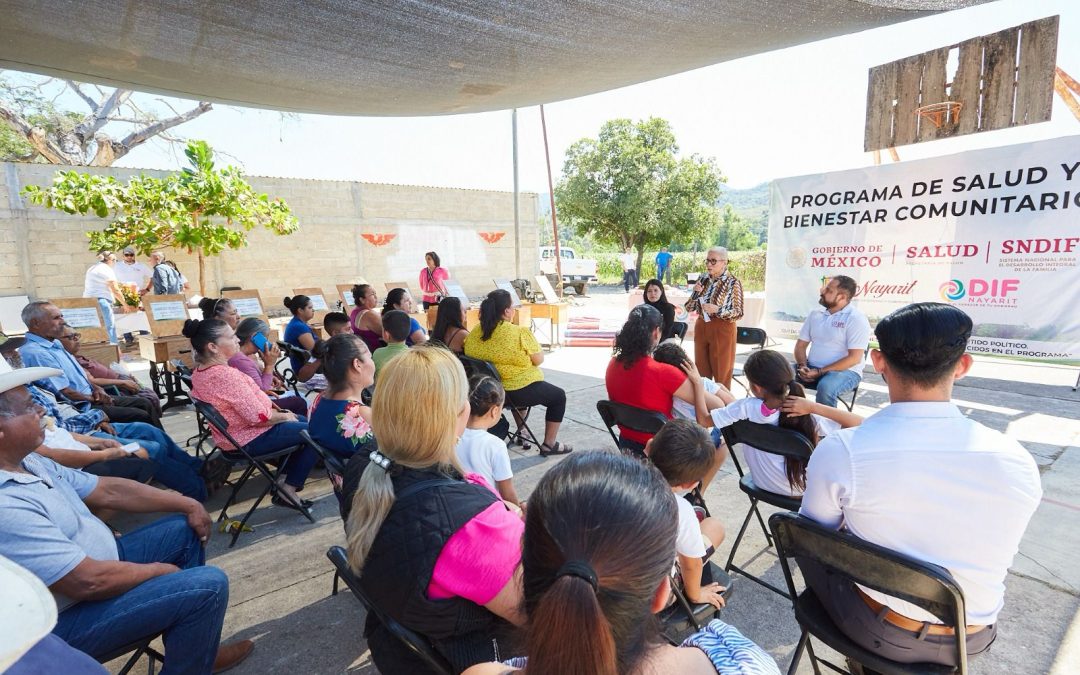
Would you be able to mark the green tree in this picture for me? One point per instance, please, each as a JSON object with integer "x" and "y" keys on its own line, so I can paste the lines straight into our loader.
{"x": 735, "y": 232}
{"x": 628, "y": 187}
{"x": 201, "y": 209}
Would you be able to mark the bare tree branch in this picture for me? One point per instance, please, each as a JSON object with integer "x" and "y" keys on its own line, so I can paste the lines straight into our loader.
{"x": 140, "y": 136}
{"x": 83, "y": 95}
{"x": 36, "y": 137}
{"x": 168, "y": 105}
{"x": 89, "y": 127}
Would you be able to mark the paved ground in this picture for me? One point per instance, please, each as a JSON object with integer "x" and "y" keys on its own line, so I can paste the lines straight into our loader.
{"x": 280, "y": 578}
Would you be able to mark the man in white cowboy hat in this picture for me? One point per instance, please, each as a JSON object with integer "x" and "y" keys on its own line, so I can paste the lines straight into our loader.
{"x": 110, "y": 591}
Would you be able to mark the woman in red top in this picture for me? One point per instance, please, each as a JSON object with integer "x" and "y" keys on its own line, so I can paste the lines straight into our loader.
{"x": 252, "y": 418}
{"x": 634, "y": 378}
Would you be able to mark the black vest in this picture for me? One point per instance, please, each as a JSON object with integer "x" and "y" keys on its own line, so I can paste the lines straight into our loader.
{"x": 399, "y": 567}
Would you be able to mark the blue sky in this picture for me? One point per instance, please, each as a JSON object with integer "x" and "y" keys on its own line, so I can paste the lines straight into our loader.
{"x": 790, "y": 112}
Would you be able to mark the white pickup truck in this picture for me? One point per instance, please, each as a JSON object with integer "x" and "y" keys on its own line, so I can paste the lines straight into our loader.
{"x": 576, "y": 272}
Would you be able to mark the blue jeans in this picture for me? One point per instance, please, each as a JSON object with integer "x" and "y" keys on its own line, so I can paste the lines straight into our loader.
{"x": 300, "y": 462}
{"x": 187, "y": 606}
{"x": 176, "y": 469}
{"x": 106, "y": 307}
{"x": 834, "y": 383}
{"x": 664, "y": 271}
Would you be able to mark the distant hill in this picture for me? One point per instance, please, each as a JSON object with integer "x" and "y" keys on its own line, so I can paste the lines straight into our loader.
{"x": 753, "y": 199}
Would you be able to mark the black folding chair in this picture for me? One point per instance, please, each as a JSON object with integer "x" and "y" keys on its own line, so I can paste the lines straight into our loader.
{"x": 420, "y": 646}
{"x": 678, "y": 329}
{"x": 184, "y": 373}
{"x": 774, "y": 440}
{"x": 683, "y": 618}
{"x": 335, "y": 471}
{"x": 137, "y": 649}
{"x": 850, "y": 402}
{"x": 745, "y": 335}
{"x": 923, "y": 584}
{"x": 240, "y": 455}
{"x": 629, "y": 417}
{"x": 289, "y": 351}
{"x": 523, "y": 435}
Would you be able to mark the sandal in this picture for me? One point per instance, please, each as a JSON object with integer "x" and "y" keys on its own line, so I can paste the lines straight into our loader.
{"x": 557, "y": 449}
{"x": 278, "y": 501}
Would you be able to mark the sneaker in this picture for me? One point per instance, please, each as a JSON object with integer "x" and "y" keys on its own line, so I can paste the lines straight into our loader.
{"x": 232, "y": 654}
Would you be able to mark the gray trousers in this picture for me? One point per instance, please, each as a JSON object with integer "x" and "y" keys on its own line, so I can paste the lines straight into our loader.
{"x": 855, "y": 619}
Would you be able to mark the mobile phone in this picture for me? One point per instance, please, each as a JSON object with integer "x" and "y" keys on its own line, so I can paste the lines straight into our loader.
{"x": 130, "y": 448}
{"x": 259, "y": 340}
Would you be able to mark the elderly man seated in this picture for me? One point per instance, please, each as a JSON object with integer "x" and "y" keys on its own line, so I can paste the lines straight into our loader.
{"x": 102, "y": 375}
{"x": 109, "y": 591}
{"x": 174, "y": 468}
{"x": 43, "y": 347}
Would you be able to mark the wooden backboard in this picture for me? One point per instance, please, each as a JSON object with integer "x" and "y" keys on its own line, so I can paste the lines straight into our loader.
{"x": 248, "y": 303}
{"x": 1001, "y": 80}
{"x": 319, "y": 302}
{"x": 83, "y": 315}
{"x": 166, "y": 314}
{"x": 345, "y": 293}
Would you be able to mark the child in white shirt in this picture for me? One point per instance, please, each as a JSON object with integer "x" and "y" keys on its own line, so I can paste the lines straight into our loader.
{"x": 480, "y": 452}
{"x": 683, "y": 453}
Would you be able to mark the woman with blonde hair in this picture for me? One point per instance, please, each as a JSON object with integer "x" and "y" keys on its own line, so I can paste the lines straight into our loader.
{"x": 435, "y": 549}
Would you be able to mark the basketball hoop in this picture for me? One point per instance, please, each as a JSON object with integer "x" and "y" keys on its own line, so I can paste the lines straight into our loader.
{"x": 938, "y": 114}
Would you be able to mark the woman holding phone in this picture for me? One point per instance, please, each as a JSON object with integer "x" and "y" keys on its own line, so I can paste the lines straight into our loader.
{"x": 257, "y": 357}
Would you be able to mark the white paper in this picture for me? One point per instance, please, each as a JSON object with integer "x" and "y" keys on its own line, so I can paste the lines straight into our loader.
{"x": 247, "y": 306}
{"x": 546, "y": 288}
{"x": 81, "y": 317}
{"x": 318, "y": 303}
{"x": 130, "y": 448}
{"x": 168, "y": 311}
{"x": 455, "y": 289}
{"x": 505, "y": 284}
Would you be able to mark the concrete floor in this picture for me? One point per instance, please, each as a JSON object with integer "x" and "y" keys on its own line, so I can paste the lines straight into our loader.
{"x": 280, "y": 579}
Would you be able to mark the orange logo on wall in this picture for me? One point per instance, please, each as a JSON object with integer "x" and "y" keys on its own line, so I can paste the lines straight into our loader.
{"x": 491, "y": 237}
{"x": 378, "y": 239}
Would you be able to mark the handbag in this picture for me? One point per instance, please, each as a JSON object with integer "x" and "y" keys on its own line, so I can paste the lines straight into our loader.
{"x": 431, "y": 281}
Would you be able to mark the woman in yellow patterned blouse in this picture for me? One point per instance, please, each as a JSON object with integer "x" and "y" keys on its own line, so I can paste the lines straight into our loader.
{"x": 515, "y": 353}
{"x": 718, "y": 300}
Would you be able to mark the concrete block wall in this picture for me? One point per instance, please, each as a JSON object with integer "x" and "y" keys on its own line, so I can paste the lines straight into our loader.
{"x": 348, "y": 230}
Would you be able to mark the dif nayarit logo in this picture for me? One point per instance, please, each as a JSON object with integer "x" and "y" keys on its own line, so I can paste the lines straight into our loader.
{"x": 996, "y": 292}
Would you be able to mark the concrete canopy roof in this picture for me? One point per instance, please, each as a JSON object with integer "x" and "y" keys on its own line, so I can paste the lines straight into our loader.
{"x": 411, "y": 57}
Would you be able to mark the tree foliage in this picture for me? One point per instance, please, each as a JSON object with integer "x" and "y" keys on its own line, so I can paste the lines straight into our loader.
{"x": 201, "y": 209}
{"x": 628, "y": 187}
{"x": 35, "y": 125}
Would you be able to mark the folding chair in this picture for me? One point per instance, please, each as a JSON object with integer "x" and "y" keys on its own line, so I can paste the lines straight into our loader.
{"x": 683, "y": 618}
{"x": 523, "y": 435}
{"x": 745, "y": 335}
{"x": 679, "y": 329}
{"x": 923, "y": 584}
{"x": 254, "y": 463}
{"x": 287, "y": 373}
{"x": 183, "y": 372}
{"x": 137, "y": 649}
{"x": 335, "y": 471}
{"x": 628, "y": 417}
{"x": 774, "y": 440}
{"x": 420, "y": 646}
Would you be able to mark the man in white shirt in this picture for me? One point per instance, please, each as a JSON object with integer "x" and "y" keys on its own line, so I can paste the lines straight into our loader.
{"x": 629, "y": 269}
{"x": 920, "y": 478}
{"x": 837, "y": 336}
{"x": 131, "y": 271}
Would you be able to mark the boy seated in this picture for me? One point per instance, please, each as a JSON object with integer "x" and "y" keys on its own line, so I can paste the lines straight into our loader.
{"x": 310, "y": 374}
{"x": 396, "y": 327}
{"x": 683, "y": 453}
{"x": 335, "y": 323}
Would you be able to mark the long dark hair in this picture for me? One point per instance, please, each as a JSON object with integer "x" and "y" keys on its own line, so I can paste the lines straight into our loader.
{"x": 634, "y": 339}
{"x": 393, "y": 298}
{"x": 772, "y": 372}
{"x": 434, "y": 258}
{"x": 491, "y": 311}
{"x": 617, "y": 516}
{"x": 447, "y": 316}
{"x": 337, "y": 355}
{"x": 663, "y": 294}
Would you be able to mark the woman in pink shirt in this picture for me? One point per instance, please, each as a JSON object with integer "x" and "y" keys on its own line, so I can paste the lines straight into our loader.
{"x": 431, "y": 280}
{"x": 258, "y": 363}
{"x": 437, "y": 550}
{"x": 253, "y": 419}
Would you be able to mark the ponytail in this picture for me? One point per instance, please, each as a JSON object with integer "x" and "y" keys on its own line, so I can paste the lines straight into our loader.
{"x": 569, "y": 633}
{"x": 370, "y": 505}
{"x": 773, "y": 373}
{"x": 491, "y": 311}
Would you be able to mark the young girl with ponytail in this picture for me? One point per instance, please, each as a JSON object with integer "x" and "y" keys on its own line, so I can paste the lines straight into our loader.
{"x": 779, "y": 400}
{"x": 599, "y": 538}
{"x": 438, "y": 553}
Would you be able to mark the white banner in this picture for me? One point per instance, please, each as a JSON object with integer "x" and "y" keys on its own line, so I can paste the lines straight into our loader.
{"x": 995, "y": 232}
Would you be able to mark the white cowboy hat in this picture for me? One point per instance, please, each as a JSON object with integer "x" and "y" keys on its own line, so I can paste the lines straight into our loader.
{"x": 9, "y": 379}
{"x": 27, "y": 613}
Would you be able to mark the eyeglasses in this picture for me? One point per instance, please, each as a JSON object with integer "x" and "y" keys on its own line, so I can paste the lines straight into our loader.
{"x": 72, "y": 336}
{"x": 129, "y": 255}
{"x": 713, "y": 261}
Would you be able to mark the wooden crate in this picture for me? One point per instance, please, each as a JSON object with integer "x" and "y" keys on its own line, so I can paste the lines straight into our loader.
{"x": 165, "y": 349}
